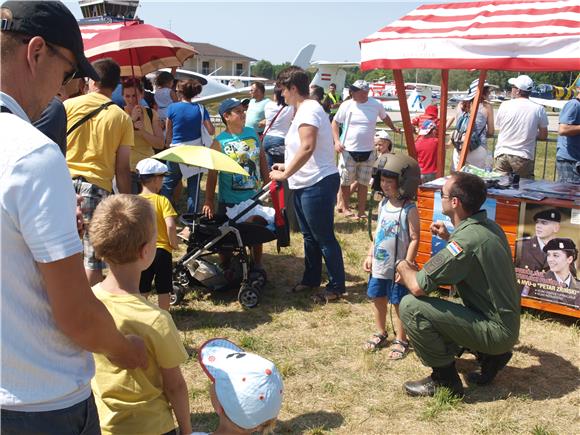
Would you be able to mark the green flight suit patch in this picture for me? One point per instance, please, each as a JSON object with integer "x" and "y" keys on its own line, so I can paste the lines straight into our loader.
{"x": 438, "y": 260}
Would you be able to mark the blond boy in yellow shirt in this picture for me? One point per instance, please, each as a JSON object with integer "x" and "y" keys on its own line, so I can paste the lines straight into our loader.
{"x": 123, "y": 232}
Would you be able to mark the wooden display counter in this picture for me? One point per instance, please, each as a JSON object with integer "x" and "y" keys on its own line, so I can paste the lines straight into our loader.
{"x": 509, "y": 213}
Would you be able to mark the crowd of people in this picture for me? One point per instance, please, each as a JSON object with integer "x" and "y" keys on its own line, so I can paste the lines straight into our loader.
{"x": 84, "y": 352}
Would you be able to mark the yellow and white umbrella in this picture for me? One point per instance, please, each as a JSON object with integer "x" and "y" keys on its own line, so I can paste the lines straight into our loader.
{"x": 195, "y": 155}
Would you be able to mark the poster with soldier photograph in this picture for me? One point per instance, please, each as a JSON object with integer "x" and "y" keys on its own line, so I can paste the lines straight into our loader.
{"x": 547, "y": 254}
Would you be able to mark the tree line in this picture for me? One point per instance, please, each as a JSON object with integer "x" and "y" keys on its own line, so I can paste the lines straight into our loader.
{"x": 458, "y": 79}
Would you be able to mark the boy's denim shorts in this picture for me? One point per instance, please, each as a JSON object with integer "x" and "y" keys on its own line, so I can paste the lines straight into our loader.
{"x": 386, "y": 288}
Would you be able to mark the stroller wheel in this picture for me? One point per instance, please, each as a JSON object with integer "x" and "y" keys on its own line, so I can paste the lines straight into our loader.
{"x": 249, "y": 296}
{"x": 176, "y": 295}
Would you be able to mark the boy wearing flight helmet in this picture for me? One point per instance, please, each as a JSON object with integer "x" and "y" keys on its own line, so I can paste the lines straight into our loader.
{"x": 396, "y": 238}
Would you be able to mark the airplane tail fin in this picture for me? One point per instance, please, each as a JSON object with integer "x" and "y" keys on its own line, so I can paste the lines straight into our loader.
{"x": 419, "y": 98}
{"x": 304, "y": 56}
{"x": 325, "y": 75}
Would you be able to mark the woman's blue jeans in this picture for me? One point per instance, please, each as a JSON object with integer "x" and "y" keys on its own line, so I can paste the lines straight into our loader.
{"x": 173, "y": 178}
{"x": 315, "y": 211}
{"x": 274, "y": 149}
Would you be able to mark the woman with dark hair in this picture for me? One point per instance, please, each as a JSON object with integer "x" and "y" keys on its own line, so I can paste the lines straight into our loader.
{"x": 278, "y": 119}
{"x": 310, "y": 169}
{"x": 183, "y": 127}
{"x": 146, "y": 126}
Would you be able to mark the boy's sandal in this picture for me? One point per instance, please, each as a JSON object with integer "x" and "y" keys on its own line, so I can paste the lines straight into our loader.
{"x": 326, "y": 297}
{"x": 301, "y": 288}
{"x": 398, "y": 353}
{"x": 376, "y": 342}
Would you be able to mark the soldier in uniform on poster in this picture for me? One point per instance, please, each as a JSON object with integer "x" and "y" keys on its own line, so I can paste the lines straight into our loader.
{"x": 561, "y": 255}
{"x": 529, "y": 250}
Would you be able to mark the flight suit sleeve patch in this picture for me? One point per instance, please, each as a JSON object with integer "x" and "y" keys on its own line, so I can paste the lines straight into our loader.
{"x": 454, "y": 248}
{"x": 437, "y": 261}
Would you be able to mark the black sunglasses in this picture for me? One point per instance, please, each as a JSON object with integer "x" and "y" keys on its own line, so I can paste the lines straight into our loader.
{"x": 70, "y": 75}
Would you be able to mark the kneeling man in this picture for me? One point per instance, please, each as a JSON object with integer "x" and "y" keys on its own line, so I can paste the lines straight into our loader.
{"x": 478, "y": 263}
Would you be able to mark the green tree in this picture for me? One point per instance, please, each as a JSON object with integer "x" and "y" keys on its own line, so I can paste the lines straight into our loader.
{"x": 263, "y": 68}
{"x": 377, "y": 74}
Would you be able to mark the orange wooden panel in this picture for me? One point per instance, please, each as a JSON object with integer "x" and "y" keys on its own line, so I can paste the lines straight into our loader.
{"x": 548, "y": 306}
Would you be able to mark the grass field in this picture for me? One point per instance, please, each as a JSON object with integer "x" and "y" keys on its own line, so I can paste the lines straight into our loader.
{"x": 333, "y": 387}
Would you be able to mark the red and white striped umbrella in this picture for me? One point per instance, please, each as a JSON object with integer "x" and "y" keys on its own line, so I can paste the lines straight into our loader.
{"x": 139, "y": 48}
{"x": 532, "y": 35}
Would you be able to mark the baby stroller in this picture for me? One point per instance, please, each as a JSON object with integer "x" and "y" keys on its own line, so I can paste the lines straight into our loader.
{"x": 222, "y": 234}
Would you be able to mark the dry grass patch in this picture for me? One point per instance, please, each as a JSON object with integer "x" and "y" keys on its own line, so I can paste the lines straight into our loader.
{"x": 333, "y": 387}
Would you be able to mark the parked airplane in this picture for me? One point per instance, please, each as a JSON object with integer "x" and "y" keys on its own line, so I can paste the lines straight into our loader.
{"x": 555, "y": 96}
{"x": 419, "y": 98}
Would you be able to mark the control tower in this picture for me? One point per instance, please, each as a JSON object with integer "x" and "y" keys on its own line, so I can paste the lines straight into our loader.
{"x": 108, "y": 10}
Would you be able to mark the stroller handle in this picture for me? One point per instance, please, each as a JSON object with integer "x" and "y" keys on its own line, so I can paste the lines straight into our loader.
{"x": 258, "y": 196}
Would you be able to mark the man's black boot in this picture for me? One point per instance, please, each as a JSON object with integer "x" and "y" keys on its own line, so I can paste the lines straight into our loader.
{"x": 490, "y": 366}
{"x": 441, "y": 377}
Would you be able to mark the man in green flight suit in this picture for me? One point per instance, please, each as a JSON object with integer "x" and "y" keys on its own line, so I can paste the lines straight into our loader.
{"x": 478, "y": 263}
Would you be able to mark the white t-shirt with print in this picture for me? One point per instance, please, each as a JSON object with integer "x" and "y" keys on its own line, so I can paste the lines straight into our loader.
{"x": 518, "y": 121}
{"x": 42, "y": 369}
{"x": 282, "y": 122}
{"x": 359, "y": 121}
{"x": 321, "y": 164}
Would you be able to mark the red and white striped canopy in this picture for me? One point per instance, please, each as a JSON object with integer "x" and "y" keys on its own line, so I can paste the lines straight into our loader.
{"x": 89, "y": 31}
{"x": 514, "y": 35}
{"x": 139, "y": 48}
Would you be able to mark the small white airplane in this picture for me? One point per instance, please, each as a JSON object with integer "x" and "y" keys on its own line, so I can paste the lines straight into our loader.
{"x": 215, "y": 90}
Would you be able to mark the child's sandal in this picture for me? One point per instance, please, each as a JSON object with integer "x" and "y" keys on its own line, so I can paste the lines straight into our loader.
{"x": 376, "y": 342}
{"x": 396, "y": 352}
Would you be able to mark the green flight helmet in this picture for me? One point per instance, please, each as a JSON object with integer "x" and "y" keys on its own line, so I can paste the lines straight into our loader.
{"x": 400, "y": 166}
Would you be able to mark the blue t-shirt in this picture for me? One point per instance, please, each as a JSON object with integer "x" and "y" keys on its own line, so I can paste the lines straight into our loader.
{"x": 186, "y": 121}
{"x": 568, "y": 147}
{"x": 244, "y": 149}
{"x": 256, "y": 113}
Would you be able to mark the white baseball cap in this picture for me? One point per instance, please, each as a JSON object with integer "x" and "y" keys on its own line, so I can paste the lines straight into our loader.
{"x": 523, "y": 82}
{"x": 248, "y": 387}
{"x": 383, "y": 134}
{"x": 151, "y": 167}
{"x": 359, "y": 85}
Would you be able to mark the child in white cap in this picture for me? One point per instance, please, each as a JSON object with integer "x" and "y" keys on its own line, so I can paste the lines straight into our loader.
{"x": 383, "y": 143}
{"x": 246, "y": 390}
{"x": 151, "y": 173}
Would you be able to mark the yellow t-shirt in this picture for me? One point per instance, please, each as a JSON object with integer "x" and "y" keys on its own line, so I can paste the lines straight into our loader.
{"x": 143, "y": 149}
{"x": 132, "y": 402}
{"x": 92, "y": 148}
{"x": 163, "y": 209}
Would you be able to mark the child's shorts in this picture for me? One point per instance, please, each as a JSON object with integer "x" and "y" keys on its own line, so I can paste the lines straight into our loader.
{"x": 386, "y": 288}
{"x": 161, "y": 271}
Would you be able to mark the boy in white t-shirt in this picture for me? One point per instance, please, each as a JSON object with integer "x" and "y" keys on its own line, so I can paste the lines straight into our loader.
{"x": 246, "y": 390}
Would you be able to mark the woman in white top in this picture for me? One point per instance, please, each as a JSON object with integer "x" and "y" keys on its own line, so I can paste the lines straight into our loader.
{"x": 278, "y": 119}
{"x": 311, "y": 172}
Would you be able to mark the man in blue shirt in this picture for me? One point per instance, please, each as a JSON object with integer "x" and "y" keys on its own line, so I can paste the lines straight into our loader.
{"x": 568, "y": 148}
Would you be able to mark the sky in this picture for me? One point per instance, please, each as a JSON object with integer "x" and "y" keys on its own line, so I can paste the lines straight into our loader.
{"x": 274, "y": 31}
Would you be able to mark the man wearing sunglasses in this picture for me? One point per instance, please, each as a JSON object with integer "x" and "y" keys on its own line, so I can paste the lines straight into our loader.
{"x": 477, "y": 262}
{"x": 51, "y": 320}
